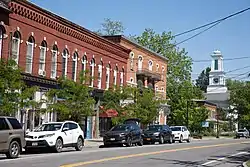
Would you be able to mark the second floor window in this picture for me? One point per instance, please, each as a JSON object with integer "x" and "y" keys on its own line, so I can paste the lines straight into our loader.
{"x": 64, "y": 62}
{"x": 92, "y": 72}
{"x": 131, "y": 60}
{"x": 1, "y": 41}
{"x": 43, "y": 50}
{"x": 100, "y": 75}
{"x": 15, "y": 46}
{"x": 54, "y": 61}
{"x": 150, "y": 65}
{"x": 74, "y": 66}
{"x": 121, "y": 77}
{"x": 115, "y": 76}
{"x": 29, "y": 54}
{"x": 107, "y": 75}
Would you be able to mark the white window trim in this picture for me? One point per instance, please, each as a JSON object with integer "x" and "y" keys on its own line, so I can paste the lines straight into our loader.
{"x": 108, "y": 79}
{"x": 115, "y": 77}
{"x": 92, "y": 66}
{"x": 55, "y": 72}
{"x": 131, "y": 57}
{"x": 100, "y": 79}
{"x": 140, "y": 63}
{"x": 32, "y": 56}
{"x": 150, "y": 67}
{"x": 75, "y": 70}
{"x": 1, "y": 41}
{"x": 121, "y": 79}
{"x": 44, "y": 61}
{"x": 66, "y": 63}
{"x": 157, "y": 67}
{"x": 18, "y": 48}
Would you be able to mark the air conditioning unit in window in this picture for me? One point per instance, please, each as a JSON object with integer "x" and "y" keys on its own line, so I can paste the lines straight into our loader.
{"x": 42, "y": 73}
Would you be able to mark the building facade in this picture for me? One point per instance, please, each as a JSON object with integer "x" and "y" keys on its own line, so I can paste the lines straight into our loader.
{"x": 46, "y": 46}
{"x": 145, "y": 68}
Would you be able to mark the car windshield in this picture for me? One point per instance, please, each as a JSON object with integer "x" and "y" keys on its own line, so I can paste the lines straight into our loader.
{"x": 154, "y": 128}
{"x": 49, "y": 127}
{"x": 175, "y": 128}
{"x": 242, "y": 130}
{"x": 121, "y": 128}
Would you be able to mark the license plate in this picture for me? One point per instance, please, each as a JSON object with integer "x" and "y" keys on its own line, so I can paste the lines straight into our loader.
{"x": 34, "y": 144}
{"x": 148, "y": 139}
{"x": 112, "y": 139}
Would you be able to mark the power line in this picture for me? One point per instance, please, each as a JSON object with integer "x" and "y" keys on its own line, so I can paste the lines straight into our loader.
{"x": 211, "y": 23}
{"x": 229, "y": 59}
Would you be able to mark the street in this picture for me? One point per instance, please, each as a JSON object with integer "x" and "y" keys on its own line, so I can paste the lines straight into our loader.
{"x": 219, "y": 153}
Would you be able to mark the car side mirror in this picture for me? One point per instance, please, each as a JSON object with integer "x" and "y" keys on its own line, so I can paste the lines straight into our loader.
{"x": 182, "y": 130}
{"x": 65, "y": 129}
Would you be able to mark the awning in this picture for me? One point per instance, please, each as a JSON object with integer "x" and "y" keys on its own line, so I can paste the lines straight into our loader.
{"x": 110, "y": 113}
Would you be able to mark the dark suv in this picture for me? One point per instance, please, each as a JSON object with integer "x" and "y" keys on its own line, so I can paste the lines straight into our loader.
{"x": 11, "y": 137}
{"x": 157, "y": 133}
{"x": 128, "y": 133}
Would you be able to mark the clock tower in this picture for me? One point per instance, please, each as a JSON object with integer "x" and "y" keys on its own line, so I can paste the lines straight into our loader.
{"x": 217, "y": 82}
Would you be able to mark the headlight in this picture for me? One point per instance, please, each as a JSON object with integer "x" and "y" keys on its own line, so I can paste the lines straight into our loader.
{"x": 156, "y": 133}
{"x": 122, "y": 134}
{"x": 49, "y": 135}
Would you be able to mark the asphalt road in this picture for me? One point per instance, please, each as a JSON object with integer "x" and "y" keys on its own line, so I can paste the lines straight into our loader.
{"x": 219, "y": 153}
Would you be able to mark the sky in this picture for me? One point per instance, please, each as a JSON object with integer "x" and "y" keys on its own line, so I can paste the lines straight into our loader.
{"x": 231, "y": 37}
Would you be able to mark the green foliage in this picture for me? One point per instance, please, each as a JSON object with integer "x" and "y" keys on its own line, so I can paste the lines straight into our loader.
{"x": 203, "y": 79}
{"x": 13, "y": 91}
{"x": 76, "y": 101}
{"x": 109, "y": 27}
{"x": 197, "y": 116}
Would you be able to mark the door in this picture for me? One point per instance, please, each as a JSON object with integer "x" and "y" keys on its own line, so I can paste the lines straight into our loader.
{"x": 75, "y": 132}
{"x": 185, "y": 133}
{"x": 167, "y": 132}
{"x": 4, "y": 134}
{"x": 66, "y": 134}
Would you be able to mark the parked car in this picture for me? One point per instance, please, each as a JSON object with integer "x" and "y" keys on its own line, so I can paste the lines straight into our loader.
{"x": 11, "y": 137}
{"x": 56, "y": 135}
{"x": 128, "y": 133}
{"x": 181, "y": 133}
{"x": 242, "y": 133}
{"x": 157, "y": 133}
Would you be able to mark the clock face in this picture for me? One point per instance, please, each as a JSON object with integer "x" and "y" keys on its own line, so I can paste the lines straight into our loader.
{"x": 216, "y": 80}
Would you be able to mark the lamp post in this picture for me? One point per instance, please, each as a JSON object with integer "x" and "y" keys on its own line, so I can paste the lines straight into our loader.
{"x": 187, "y": 114}
{"x": 217, "y": 123}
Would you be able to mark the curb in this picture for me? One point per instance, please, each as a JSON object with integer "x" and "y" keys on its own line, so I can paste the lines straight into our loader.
{"x": 245, "y": 164}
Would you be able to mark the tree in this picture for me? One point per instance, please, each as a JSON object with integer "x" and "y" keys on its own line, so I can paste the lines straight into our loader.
{"x": 14, "y": 93}
{"x": 203, "y": 79}
{"x": 179, "y": 86}
{"x": 76, "y": 102}
{"x": 109, "y": 27}
{"x": 197, "y": 116}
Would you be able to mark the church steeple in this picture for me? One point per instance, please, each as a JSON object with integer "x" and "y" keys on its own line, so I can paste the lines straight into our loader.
{"x": 217, "y": 82}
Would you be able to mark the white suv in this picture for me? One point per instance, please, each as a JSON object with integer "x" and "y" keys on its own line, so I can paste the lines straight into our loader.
{"x": 180, "y": 133}
{"x": 56, "y": 135}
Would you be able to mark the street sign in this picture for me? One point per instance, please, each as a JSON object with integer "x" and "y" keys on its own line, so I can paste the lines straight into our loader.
{"x": 205, "y": 124}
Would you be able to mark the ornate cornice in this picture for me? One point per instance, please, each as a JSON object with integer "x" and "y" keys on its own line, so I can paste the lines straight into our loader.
{"x": 28, "y": 77}
{"x": 39, "y": 15}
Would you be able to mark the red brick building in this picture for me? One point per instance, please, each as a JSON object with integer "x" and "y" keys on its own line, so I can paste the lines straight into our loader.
{"x": 47, "y": 46}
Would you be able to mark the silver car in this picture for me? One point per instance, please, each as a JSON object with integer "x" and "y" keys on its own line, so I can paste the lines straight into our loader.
{"x": 242, "y": 133}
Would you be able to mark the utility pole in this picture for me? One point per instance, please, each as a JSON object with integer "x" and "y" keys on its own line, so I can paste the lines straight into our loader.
{"x": 97, "y": 118}
{"x": 217, "y": 122}
{"x": 187, "y": 114}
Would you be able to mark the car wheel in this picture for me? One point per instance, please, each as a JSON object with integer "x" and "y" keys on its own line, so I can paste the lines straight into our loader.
{"x": 129, "y": 142}
{"x": 161, "y": 140}
{"x": 140, "y": 143}
{"x": 170, "y": 140}
{"x": 181, "y": 139}
{"x": 14, "y": 150}
{"x": 59, "y": 145}
{"x": 79, "y": 144}
{"x": 189, "y": 139}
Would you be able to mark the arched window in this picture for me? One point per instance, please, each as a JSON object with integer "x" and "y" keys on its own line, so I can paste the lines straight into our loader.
{"x": 92, "y": 72}
{"x": 150, "y": 65}
{"x": 54, "y": 53}
{"x": 64, "y": 62}
{"x": 100, "y": 75}
{"x": 131, "y": 57}
{"x": 30, "y": 54}
{"x": 107, "y": 75}
{"x": 84, "y": 65}
{"x": 121, "y": 77}
{"x": 1, "y": 41}
{"x": 74, "y": 66}
{"x": 140, "y": 62}
{"x": 15, "y": 46}
{"x": 115, "y": 76}
{"x": 157, "y": 67}
{"x": 43, "y": 50}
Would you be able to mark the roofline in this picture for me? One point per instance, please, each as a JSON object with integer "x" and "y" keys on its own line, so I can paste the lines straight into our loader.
{"x": 137, "y": 44}
{"x": 204, "y": 101}
{"x": 72, "y": 25}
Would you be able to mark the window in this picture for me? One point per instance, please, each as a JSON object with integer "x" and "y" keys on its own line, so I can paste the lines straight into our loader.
{"x": 54, "y": 61}
{"x": 100, "y": 75}
{"x": 43, "y": 50}
{"x": 64, "y": 62}
{"x": 115, "y": 75}
{"x": 107, "y": 75}
{"x": 15, "y": 46}
{"x": 150, "y": 65}
{"x": 3, "y": 124}
{"x": 216, "y": 64}
{"x": 162, "y": 69}
{"x": 29, "y": 54}
{"x": 92, "y": 72}
{"x": 139, "y": 62}
{"x": 14, "y": 123}
{"x": 84, "y": 64}
{"x": 74, "y": 66}
{"x": 162, "y": 89}
{"x": 131, "y": 80}
{"x": 66, "y": 125}
{"x": 157, "y": 67}
{"x": 1, "y": 41}
{"x": 72, "y": 126}
{"x": 131, "y": 57}
{"x": 121, "y": 77}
